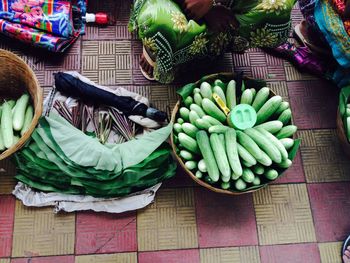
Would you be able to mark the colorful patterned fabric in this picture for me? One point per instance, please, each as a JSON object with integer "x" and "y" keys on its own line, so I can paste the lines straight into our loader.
{"x": 50, "y": 24}
{"x": 174, "y": 40}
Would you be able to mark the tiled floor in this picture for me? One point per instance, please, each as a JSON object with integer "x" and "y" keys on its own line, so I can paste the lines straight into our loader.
{"x": 303, "y": 217}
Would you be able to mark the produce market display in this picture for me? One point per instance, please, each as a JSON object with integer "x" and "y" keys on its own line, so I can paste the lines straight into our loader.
{"x": 233, "y": 134}
{"x": 16, "y": 117}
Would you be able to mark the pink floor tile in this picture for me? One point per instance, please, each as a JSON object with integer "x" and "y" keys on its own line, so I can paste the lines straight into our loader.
{"x": 56, "y": 259}
{"x": 170, "y": 256}
{"x": 313, "y": 104}
{"x": 294, "y": 174}
{"x": 330, "y": 204}
{"x": 105, "y": 233}
{"x": 7, "y": 213}
{"x": 295, "y": 253}
{"x": 225, "y": 220}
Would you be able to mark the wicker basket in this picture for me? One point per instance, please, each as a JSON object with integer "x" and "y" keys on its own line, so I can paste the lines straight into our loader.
{"x": 342, "y": 135}
{"x": 180, "y": 161}
{"x": 16, "y": 77}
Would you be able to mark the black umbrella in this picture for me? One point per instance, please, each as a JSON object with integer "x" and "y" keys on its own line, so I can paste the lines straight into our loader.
{"x": 72, "y": 86}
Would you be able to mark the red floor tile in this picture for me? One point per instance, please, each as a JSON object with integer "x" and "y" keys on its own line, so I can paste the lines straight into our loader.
{"x": 7, "y": 213}
{"x": 55, "y": 259}
{"x": 225, "y": 220}
{"x": 181, "y": 179}
{"x": 330, "y": 204}
{"x": 294, "y": 174}
{"x": 170, "y": 256}
{"x": 105, "y": 233}
{"x": 295, "y": 253}
{"x": 313, "y": 104}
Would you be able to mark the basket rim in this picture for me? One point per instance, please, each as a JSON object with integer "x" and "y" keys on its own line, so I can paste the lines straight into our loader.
{"x": 38, "y": 106}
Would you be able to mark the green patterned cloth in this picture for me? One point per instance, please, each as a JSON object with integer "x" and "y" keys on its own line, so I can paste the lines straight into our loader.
{"x": 174, "y": 40}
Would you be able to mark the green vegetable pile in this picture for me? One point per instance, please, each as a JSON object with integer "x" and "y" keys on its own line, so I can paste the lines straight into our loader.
{"x": 227, "y": 157}
{"x": 16, "y": 117}
{"x": 61, "y": 158}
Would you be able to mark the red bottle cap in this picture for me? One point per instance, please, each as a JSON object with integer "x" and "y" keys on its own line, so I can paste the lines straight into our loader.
{"x": 101, "y": 18}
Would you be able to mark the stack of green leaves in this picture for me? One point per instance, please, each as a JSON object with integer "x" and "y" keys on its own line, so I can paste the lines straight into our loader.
{"x": 61, "y": 158}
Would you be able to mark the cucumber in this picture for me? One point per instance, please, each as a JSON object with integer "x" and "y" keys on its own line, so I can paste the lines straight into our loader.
{"x": 208, "y": 155}
{"x": 264, "y": 143}
{"x": 232, "y": 151}
{"x": 6, "y": 125}
{"x": 231, "y": 94}
{"x": 218, "y": 82}
{"x": 285, "y": 164}
{"x": 197, "y": 109}
{"x": 268, "y": 109}
{"x": 188, "y": 101}
{"x": 271, "y": 126}
{"x": 211, "y": 109}
{"x": 245, "y": 155}
{"x": 234, "y": 176}
{"x": 12, "y": 103}
{"x": 247, "y": 97}
{"x": 284, "y": 105}
{"x": 205, "y": 90}
{"x": 271, "y": 174}
{"x": 186, "y": 155}
{"x": 202, "y": 166}
{"x": 287, "y": 143}
{"x": 176, "y": 139}
{"x": 240, "y": 184}
{"x": 348, "y": 105}
{"x": 27, "y": 119}
{"x": 258, "y": 169}
{"x": 218, "y": 129}
{"x": 347, "y": 112}
{"x": 220, "y": 155}
{"x": 193, "y": 116}
{"x": 189, "y": 129}
{"x": 249, "y": 144}
{"x": 285, "y": 116}
{"x": 188, "y": 143}
{"x": 184, "y": 113}
{"x": 177, "y": 127}
{"x": 190, "y": 165}
{"x": 212, "y": 120}
{"x": 248, "y": 175}
{"x": 286, "y": 131}
{"x": 19, "y": 112}
{"x": 265, "y": 159}
{"x": 180, "y": 120}
{"x": 220, "y": 92}
{"x": 208, "y": 180}
{"x": 261, "y": 97}
{"x": 253, "y": 92}
{"x": 348, "y": 127}
{"x": 15, "y": 139}
{"x": 199, "y": 174}
{"x": 256, "y": 180}
{"x": 273, "y": 140}
{"x": 245, "y": 164}
{"x": 225, "y": 185}
{"x": 196, "y": 90}
{"x": 203, "y": 124}
{"x": 198, "y": 99}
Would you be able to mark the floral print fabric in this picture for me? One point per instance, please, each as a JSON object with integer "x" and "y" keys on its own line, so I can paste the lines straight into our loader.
{"x": 175, "y": 40}
{"x": 43, "y": 23}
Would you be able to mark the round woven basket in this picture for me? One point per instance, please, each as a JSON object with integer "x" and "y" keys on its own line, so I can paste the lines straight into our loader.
{"x": 342, "y": 135}
{"x": 180, "y": 161}
{"x": 16, "y": 77}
